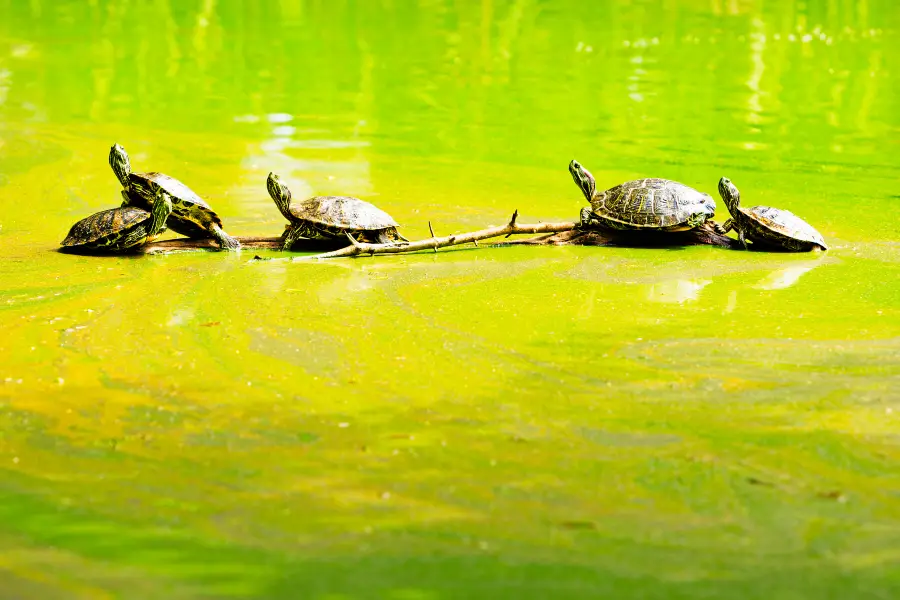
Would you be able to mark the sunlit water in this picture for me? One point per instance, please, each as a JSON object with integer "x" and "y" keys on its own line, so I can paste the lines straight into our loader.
{"x": 523, "y": 422}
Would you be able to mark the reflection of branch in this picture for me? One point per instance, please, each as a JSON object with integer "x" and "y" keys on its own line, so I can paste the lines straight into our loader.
{"x": 511, "y": 228}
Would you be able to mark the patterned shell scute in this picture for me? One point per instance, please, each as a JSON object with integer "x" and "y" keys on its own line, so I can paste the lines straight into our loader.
{"x": 104, "y": 223}
{"x": 344, "y": 212}
{"x": 786, "y": 223}
{"x": 652, "y": 203}
{"x": 184, "y": 200}
{"x": 171, "y": 185}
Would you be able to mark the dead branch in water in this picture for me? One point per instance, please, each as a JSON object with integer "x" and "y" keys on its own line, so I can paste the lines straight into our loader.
{"x": 433, "y": 243}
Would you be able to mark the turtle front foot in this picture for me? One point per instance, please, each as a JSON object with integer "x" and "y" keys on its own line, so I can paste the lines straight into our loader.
{"x": 586, "y": 218}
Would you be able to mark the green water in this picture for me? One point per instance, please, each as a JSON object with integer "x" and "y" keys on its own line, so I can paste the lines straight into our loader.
{"x": 521, "y": 422}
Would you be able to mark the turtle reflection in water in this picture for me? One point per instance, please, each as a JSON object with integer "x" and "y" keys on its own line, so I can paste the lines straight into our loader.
{"x": 331, "y": 217}
{"x": 766, "y": 226}
{"x": 120, "y": 229}
{"x": 644, "y": 205}
{"x": 191, "y": 216}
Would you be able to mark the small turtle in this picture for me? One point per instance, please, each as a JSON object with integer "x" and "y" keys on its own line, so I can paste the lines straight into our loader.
{"x": 191, "y": 216}
{"x": 767, "y": 226}
{"x": 644, "y": 204}
{"x": 118, "y": 229}
{"x": 331, "y": 217}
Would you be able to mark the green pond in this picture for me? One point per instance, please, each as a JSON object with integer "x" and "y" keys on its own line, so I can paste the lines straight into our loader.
{"x": 507, "y": 422}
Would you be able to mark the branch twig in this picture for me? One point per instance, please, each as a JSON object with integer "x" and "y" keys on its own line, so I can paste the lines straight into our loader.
{"x": 431, "y": 229}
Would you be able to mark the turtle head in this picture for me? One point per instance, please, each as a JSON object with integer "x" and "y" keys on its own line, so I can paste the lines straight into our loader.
{"x": 121, "y": 166}
{"x": 160, "y": 211}
{"x": 280, "y": 194}
{"x": 583, "y": 179}
{"x": 730, "y": 194}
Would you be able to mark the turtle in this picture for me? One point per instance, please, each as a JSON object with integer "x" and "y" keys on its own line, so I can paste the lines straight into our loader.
{"x": 191, "y": 216}
{"x": 119, "y": 229}
{"x": 767, "y": 226}
{"x": 331, "y": 217}
{"x": 644, "y": 204}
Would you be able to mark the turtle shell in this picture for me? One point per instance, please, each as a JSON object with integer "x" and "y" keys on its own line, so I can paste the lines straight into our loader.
{"x": 651, "y": 204}
{"x": 186, "y": 204}
{"x": 105, "y": 227}
{"x": 342, "y": 212}
{"x": 780, "y": 227}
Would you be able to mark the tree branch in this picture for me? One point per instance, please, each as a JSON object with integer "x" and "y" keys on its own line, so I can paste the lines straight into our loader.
{"x": 511, "y": 228}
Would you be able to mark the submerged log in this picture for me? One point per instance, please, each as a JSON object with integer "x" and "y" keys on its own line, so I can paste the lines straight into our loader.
{"x": 632, "y": 239}
{"x": 195, "y": 245}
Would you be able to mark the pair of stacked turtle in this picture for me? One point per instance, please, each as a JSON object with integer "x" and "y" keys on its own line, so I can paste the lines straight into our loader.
{"x": 154, "y": 201}
{"x": 665, "y": 206}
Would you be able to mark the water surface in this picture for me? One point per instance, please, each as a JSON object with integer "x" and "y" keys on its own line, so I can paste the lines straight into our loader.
{"x": 511, "y": 422}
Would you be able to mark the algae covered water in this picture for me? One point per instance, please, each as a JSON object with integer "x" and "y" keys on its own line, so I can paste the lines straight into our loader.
{"x": 528, "y": 422}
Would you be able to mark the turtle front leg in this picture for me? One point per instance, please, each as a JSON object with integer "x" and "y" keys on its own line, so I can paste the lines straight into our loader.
{"x": 741, "y": 238}
{"x": 726, "y": 227}
{"x": 717, "y": 227}
{"x": 225, "y": 241}
{"x": 292, "y": 235}
{"x": 153, "y": 227}
{"x": 139, "y": 237}
{"x": 126, "y": 199}
{"x": 587, "y": 217}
